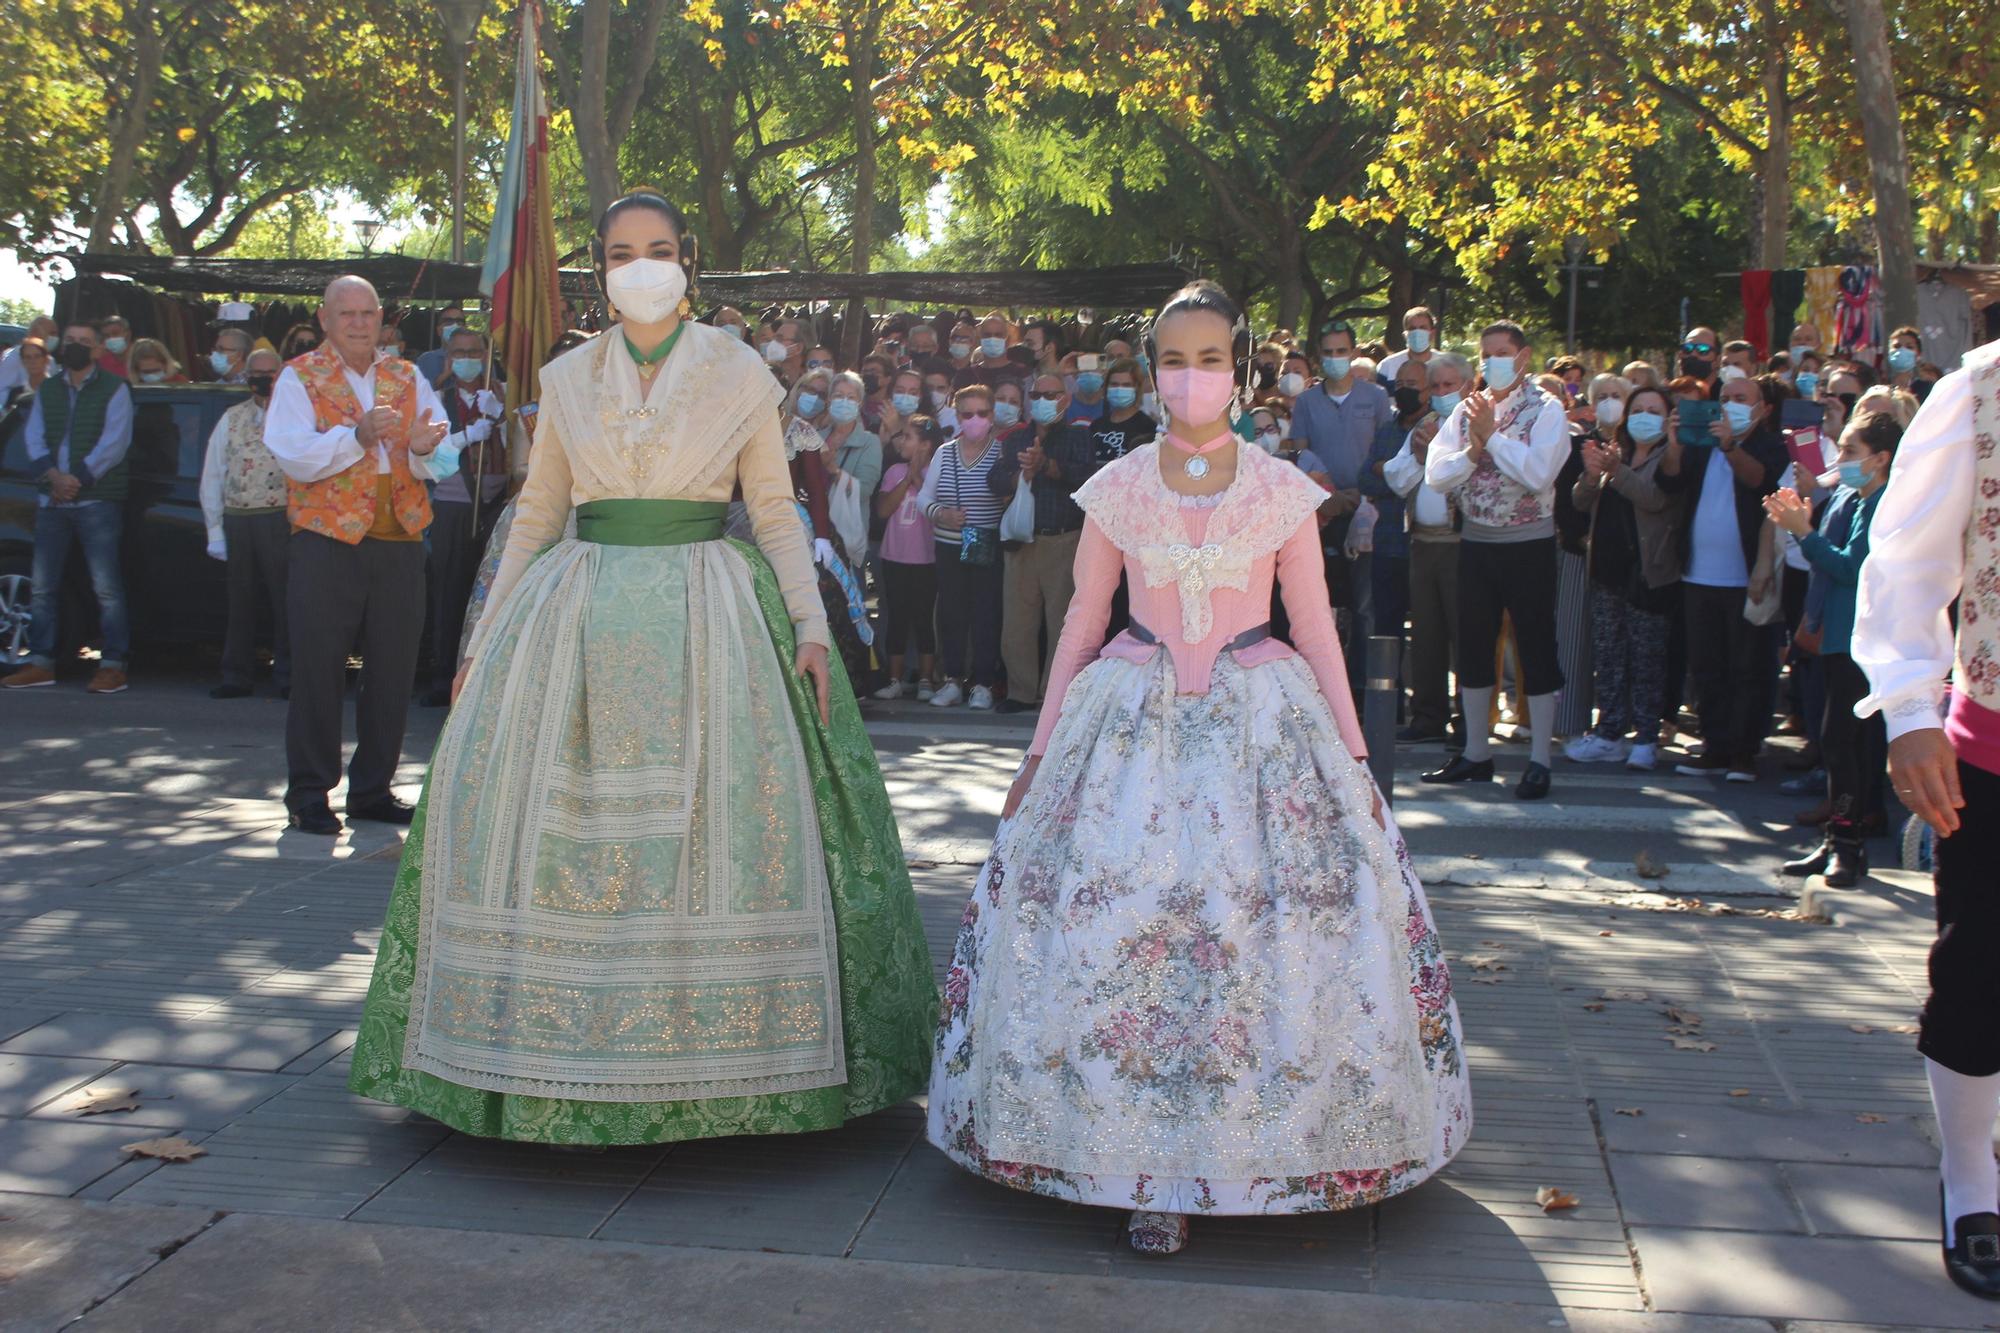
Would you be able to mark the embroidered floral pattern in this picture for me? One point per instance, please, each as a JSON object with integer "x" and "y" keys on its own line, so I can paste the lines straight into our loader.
{"x": 1489, "y": 496}
{"x": 343, "y": 506}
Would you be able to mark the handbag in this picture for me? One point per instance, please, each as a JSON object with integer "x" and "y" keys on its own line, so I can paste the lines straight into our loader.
{"x": 976, "y": 546}
{"x": 849, "y": 514}
{"x": 1018, "y": 523}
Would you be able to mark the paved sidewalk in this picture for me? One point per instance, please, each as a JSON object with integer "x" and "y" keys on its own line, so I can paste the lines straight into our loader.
{"x": 1761, "y": 1152}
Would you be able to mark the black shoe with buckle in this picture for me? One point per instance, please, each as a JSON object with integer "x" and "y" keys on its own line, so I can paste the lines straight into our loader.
{"x": 1461, "y": 769}
{"x": 386, "y": 810}
{"x": 1534, "y": 783}
{"x": 1972, "y": 1255}
{"x": 1812, "y": 863}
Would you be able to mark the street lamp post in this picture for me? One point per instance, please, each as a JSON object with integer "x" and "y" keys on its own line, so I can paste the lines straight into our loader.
{"x": 461, "y": 21}
{"x": 367, "y": 229}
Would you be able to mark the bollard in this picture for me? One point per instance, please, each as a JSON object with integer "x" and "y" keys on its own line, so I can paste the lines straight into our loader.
{"x": 1378, "y": 711}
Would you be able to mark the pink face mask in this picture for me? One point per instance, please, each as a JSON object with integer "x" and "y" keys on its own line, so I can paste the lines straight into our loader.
{"x": 975, "y": 428}
{"x": 1196, "y": 397}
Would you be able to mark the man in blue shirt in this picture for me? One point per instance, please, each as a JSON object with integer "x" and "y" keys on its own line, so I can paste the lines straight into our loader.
{"x": 1337, "y": 421}
{"x": 78, "y": 434}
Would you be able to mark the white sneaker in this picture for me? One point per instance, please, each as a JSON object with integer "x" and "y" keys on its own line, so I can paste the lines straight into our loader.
{"x": 1740, "y": 773}
{"x": 947, "y": 695}
{"x": 893, "y": 690}
{"x": 925, "y": 689}
{"x": 1594, "y": 749}
{"x": 1642, "y": 758}
{"x": 982, "y": 697}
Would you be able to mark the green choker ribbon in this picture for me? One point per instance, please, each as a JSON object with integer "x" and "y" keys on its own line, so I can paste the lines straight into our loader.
{"x": 658, "y": 354}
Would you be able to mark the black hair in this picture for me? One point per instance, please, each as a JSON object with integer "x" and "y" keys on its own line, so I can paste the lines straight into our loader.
{"x": 1336, "y": 325}
{"x": 1203, "y": 295}
{"x": 1508, "y": 327}
{"x": 927, "y": 427}
{"x": 653, "y": 202}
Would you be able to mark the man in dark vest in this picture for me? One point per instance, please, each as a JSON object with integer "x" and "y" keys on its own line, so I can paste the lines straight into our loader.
{"x": 461, "y": 523}
{"x": 79, "y": 431}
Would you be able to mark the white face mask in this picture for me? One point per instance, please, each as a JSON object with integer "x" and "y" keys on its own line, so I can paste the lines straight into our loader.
{"x": 1610, "y": 411}
{"x": 1292, "y": 385}
{"x": 1728, "y": 373}
{"x": 774, "y": 351}
{"x": 646, "y": 290}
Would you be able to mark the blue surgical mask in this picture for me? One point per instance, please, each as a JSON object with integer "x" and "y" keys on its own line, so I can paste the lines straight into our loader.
{"x": 1738, "y": 415}
{"x": 152, "y": 376}
{"x": 810, "y": 404}
{"x": 467, "y": 367}
{"x": 1088, "y": 383}
{"x": 960, "y": 351}
{"x": 1336, "y": 367}
{"x": 1807, "y": 383}
{"x": 843, "y": 410}
{"x": 1903, "y": 360}
{"x": 1798, "y": 352}
{"x": 1006, "y": 413}
{"x": 218, "y": 361}
{"x": 1043, "y": 410}
{"x": 1646, "y": 427}
{"x": 1444, "y": 404}
{"x": 1121, "y": 395}
{"x": 1853, "y": 473}
{"x": 116, "y": 346}
{"x": 1419, "y": 341}
{"x": 993, "y": 346}
{"x": 444, "y": 334}
{"x": 905, "y": 403}
{"x": 1501, "y": 372}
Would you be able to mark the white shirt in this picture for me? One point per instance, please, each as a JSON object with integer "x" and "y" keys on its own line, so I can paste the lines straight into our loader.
{"x": 1916, "y": 562}
{"x": 214, "y": 464}
{"x": 13, "y": 374}
{"x": 308, "y": 454}
{"x": 1531, "y": 464}
{"x": 1393, "y": 363}
{"x": 1715, "y": 556}
{"x": 1405, "y": 476}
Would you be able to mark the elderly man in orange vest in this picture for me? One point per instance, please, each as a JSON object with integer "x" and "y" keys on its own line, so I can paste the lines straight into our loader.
{"x": 357, "y": 436}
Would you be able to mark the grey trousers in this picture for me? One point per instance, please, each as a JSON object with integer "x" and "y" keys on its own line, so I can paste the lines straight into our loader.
{"x": 257, "y": 549}
{"x": 371, "y": 593}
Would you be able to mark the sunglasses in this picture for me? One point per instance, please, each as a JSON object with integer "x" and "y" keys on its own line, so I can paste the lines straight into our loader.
{"x": 1044, "y": 396}
{"x": 819, "y": 365}
{"x": 972, "y": 416}
{"x": 1697, "y": 347}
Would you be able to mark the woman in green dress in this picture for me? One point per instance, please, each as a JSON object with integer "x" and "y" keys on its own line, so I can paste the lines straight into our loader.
{"x": 654, "y": 891}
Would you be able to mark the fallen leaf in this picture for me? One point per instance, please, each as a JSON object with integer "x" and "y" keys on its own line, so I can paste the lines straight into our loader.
{"x": 1649, "y": 867}
{"x": 1602, "y": 933}
{"x": 1679, "y": 1015}
{"x": 98, "y": 1101}
{"x": 1859, "y": 1027}
{"x": 1628, "y": 1110}
{"x": 1690, "y": 1044}
{"x": 1633, "y": 995}
{"x": 1484, "y": 962}
{"x": 175, "y": 1149}
{"x": 1594, "y": 1008}
{"x": 1907, "y": 1029}
{"x": 1870, "y": 1118}
{"x": 1739, "y": 1092}
{"x": 1554, "y": 1200}
{"x": 1680, "y": 1030}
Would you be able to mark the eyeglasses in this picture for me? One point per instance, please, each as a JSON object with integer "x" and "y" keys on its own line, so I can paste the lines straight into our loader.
{"x": 1044, "y": 396}
{"x": 973, "y": 416}
{"x": 819, "y": 365}
{"x": 1697, "y": 347}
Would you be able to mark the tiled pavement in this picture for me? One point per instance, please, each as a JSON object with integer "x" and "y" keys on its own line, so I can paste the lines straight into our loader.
{"x": 179, "y": 944}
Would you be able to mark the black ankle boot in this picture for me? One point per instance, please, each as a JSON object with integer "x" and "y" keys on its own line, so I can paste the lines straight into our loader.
{"x": 1812, "y": 863}
{"x": 1848, "y": 864}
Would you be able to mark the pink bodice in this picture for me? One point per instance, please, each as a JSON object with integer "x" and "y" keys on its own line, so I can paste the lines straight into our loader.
{"x": 1200, "y": 575}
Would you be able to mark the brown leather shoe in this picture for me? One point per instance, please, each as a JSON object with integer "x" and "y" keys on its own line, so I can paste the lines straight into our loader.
{"x": 28, "y": 677}
{"x": 108, "y": 680}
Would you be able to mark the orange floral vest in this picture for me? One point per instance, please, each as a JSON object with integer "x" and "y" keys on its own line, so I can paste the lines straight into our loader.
{"x": 343, "y": 506}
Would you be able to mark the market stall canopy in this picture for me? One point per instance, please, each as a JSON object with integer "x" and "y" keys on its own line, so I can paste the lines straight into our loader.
{"x": 402, "y": 279}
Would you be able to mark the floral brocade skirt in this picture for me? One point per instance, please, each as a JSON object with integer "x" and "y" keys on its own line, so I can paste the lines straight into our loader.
{"x": 648, "y": 896}
{"x": 1195, "y": 975}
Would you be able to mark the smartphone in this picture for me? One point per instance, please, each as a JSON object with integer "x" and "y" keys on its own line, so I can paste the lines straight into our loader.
{"x": 1696, "y": 416}
{"x": 1089, "y": 361}
{"x": 1800, "y": 412}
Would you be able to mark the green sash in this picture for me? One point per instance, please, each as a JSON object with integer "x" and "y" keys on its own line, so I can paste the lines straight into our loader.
{"x": 650, "y": 522}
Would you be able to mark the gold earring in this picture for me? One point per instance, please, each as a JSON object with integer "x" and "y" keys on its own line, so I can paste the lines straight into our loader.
{"x": 685, "y": 308}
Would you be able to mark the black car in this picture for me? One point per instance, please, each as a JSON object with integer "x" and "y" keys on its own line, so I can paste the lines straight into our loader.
{"x": 176, "y": 594}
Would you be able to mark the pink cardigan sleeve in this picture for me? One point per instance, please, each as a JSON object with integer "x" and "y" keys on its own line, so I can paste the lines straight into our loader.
{"x": 1098, "y": 563}
{"x": 1302, "y": 583}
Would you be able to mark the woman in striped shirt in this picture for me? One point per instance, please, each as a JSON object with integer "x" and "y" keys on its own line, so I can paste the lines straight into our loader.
{"x": 965, "y": 514}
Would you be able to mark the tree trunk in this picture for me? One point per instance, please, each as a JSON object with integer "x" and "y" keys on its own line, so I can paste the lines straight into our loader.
{"x": 1775, "y": 163}
{"x": 866, "y": 168}
{"x": 143, "y": 23}
{"x": 1888, "y": 163}
{"x": 593, "y": 131}
{"x": 1290, "y": 274}
{"x": 1989, "y": 237}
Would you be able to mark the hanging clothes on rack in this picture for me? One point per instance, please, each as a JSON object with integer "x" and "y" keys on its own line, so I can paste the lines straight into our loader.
{"x": 1755, "y": 285}
{"x": 1823, "y": 302}
{"x": 1860, "y": 318}
{"x": 1788, "y": 292}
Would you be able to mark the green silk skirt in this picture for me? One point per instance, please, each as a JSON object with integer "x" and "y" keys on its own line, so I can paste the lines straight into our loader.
{"x": 618, "y": 980}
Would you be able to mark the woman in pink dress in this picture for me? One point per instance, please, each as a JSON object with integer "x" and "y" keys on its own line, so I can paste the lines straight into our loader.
{"x": 1198, "y": 974}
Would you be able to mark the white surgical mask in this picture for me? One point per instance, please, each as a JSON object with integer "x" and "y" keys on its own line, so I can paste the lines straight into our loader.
{"x": 646, "y": 290}
{"x": 1501, "y": 372}
{"x": 1610, "y": 411}
{"x": 1292, "y": 385}
{"x": 1269, "y": 438}
{"x": 1738, "y": 415}
{"x": 774, "y": 351}
{"x": 1728, "y": 373}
